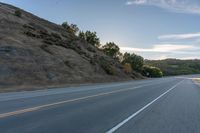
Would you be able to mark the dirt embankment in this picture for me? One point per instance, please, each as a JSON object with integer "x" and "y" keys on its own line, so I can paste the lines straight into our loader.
{"x": 35, "y": 52}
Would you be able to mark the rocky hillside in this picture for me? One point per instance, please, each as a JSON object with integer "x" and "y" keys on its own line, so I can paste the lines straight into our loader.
{"x": 35, "y": 52}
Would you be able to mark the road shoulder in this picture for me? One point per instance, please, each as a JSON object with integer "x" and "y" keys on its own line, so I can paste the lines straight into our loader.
{"x": 197, "y": 81}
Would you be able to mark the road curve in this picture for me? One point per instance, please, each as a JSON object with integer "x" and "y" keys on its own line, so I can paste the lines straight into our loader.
{"x": 167, "y": 105}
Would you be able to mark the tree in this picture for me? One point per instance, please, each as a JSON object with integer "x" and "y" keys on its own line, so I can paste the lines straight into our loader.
{"x": 150, "y": 71}
{"x": 65, "y": 25}
{"x": 90, "y": 37}
{"x": 82, "y": 35}
{"x": 120, "y": 57}
{"x": 136, "y": 61}
{"x": 18, "y": 13}
{"x": 111, "y": 49}
{"x": 72, "y": 28}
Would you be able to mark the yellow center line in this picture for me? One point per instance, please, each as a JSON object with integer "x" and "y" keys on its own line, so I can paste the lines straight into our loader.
{"x": 4, "y": 115}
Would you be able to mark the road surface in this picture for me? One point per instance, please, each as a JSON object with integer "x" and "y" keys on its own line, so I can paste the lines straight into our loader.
{"x": 165, "y": 105}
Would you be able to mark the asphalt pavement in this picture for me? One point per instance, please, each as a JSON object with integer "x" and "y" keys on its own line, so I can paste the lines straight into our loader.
{"x": 163, "y": 105}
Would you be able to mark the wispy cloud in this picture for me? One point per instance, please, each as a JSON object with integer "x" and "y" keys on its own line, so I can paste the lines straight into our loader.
{"x": 180, "y": 6}
{"x": 136, "y": 2}
{"x": 180, "y": 36}
{"x": 161, "y": 48}
{"x": 189, "y": 58}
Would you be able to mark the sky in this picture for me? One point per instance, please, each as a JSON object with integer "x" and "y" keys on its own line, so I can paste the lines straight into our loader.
{"x": 154, "y": 29}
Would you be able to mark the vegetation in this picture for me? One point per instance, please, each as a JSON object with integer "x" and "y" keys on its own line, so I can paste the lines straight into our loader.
{"x": 108, "y": 68}
{"x": 111, "y": 49}
{"x": 136, "y": 61}
{"x": 172, "y": 67}
{"x": 127, "y": 68}
{"x": 150, "y": 71}
{"x": 90, "y": 37}
{"x": 72, "y": 28}
{"x": 133, "y": 62}
{"x": 130, "y": 62}
{"x": 18, "y": 13}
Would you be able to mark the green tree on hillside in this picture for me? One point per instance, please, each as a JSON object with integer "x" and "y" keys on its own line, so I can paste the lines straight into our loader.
{"x": 111, "y": 49}
{"x": 18, "y": 13}
{"x": 171, "y": 67}
{"x": 90, "y": 37}
{"x": 72, "y": 28}
{"x": 65, "y": 25}
{"x": 136, "y": 61}
{"x": 82, "y": 35}
{"x": 150, "y": 71}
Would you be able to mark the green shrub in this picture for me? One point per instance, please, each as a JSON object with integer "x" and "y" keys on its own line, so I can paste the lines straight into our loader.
{"x": 72, "y": 28}
{"x": 90, "y": 37}
{"x": 111, "y": 49}
{"x": 108, "y": 68}
{"x": 150, "y": 71}
{"x": 18, "y": 13}
{"x": 136, "y": 61}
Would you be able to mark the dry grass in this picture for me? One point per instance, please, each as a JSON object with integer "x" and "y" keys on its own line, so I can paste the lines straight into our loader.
{"x": 197, "y": 80}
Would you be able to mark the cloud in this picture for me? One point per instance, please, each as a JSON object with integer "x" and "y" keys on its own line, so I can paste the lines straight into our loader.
{"x": 161, "y": 48}
{"x": 189, "y": 58}
{"x": 180, "y": 36}
{"x": 180, "y": 6}
{"x": 164, "y": 51}
{"x": 138, "y": 2}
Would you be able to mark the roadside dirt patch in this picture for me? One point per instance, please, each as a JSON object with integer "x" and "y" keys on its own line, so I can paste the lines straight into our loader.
{"x": 197, "y": 80}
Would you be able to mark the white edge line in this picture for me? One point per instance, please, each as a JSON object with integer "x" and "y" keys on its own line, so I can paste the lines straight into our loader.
{"x": 112, "y": 130}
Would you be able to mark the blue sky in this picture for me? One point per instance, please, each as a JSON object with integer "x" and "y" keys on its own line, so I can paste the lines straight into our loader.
{"x": 155, "y": 29}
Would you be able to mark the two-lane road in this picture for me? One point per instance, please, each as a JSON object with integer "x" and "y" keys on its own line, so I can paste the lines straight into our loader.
{"x": 167, "y": 105}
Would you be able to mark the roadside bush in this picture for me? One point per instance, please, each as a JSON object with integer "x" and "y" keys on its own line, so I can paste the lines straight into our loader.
{"x": 18, "y": 13}
{"x": 111, "y": 49}
{"x": 108, "y": 68}
{"x": 136, "y": 61}
{"x": 127, "y": 68}
{"x": 150, "y": 71}
{"x": 90, "y": 37}
{"x": 72, "y": 28}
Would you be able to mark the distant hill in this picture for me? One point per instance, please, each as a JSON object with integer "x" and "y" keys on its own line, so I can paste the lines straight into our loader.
{"x": 36, "y": 52}
{"x": 176, "y": 67}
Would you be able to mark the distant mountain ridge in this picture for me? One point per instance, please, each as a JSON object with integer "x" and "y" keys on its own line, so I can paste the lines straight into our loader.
{"x": 172, "y": 67}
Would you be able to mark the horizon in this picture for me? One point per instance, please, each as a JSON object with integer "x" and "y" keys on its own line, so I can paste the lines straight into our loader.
{"x": 62, "y": 70}
{"x": 153, "y": 29}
